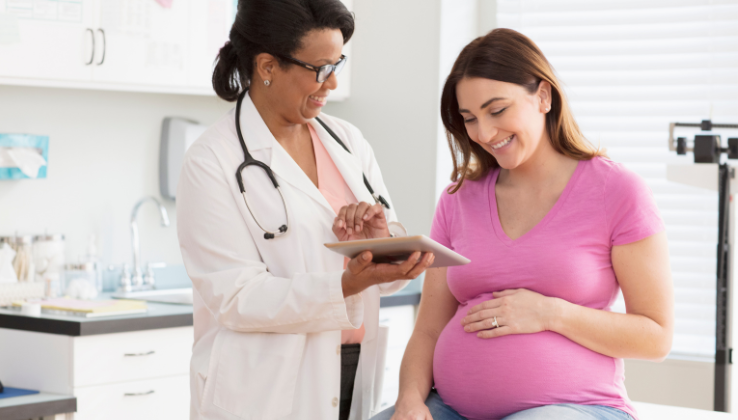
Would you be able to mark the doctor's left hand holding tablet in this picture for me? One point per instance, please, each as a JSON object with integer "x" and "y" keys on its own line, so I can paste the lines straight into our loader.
{"x": 280, "y": 321}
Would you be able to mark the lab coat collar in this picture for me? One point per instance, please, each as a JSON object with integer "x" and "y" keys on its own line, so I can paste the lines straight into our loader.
{"x": 256, "y": 134}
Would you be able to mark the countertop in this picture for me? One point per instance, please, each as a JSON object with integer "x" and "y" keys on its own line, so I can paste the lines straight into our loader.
{"x": 36, "y": 405}
{"x": 159, "y": 315}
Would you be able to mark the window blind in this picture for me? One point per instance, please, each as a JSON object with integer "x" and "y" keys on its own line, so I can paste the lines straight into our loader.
{"x": 630, "y": 68}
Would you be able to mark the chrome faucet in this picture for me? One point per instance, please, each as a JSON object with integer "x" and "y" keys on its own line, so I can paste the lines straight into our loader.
{"x": 138, "y": 281}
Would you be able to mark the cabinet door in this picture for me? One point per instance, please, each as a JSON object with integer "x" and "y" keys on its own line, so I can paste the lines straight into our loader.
{"x": 145, "y": 43}
{"x": 210, "y": 23}
{"x": 109, "y": 358}
{"x": 41, "y": 39}
{"x": 153, "y": 399}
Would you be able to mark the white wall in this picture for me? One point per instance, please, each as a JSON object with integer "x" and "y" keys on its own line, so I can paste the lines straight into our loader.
{"x": 394, "y": 98}
{"x": 103, "y": 157}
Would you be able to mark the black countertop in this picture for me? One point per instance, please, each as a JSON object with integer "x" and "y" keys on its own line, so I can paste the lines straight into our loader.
{"x": 36, "y": 405}
{"x": 159, "y": 315}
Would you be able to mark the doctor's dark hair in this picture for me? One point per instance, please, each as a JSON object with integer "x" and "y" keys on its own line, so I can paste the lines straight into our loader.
{"x": 506, "y": 56}
{"x": 275, "y": 27}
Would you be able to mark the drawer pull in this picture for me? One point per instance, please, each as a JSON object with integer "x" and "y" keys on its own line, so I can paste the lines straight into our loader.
{"x": 148, "y": 353}
{"x": 138, "y": 394}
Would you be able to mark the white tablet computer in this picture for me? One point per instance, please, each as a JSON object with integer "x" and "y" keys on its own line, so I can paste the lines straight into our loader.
{"x": 395, "y": 250}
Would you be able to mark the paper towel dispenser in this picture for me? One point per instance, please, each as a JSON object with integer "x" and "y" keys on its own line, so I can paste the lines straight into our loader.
{"x": 177, "y": 135}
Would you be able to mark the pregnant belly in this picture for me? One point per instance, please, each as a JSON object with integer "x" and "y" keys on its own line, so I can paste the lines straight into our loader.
{"x": 492, "y": 378}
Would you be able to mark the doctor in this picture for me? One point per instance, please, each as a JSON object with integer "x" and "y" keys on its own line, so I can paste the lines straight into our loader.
{"x": 284, "y": 328}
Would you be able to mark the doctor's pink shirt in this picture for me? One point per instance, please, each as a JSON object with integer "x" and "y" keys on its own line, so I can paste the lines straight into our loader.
{"x": 567, "y": 255}
{"x": 338, "y": 194}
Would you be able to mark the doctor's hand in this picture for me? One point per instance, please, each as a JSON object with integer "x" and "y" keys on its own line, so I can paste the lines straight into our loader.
{"x": 518, "y": 311}
{"x": 361, "y": 272}
{"x": 360, "y": 221}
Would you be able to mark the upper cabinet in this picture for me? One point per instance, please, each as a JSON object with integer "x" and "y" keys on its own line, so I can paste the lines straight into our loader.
{"x": 46, "y": 40}
{"x": 166, "y": 46}
{"x": 142, "y": 43}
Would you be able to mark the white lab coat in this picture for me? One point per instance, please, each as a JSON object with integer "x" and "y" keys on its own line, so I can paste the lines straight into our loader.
{"x": 269, "y": 313}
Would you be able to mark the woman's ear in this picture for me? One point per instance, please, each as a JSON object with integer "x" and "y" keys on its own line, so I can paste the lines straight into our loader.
{"x": 264, "y": 65}
{"x": 544, "y": 96}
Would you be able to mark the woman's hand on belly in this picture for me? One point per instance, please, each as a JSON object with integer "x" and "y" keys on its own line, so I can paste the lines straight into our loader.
{"x": 518, "y": 311}
{"x": 360, "y": 221}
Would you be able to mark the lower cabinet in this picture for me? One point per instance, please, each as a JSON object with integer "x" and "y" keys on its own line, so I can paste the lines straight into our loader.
{"x": 138, "y": 375}
{"x": 161, "y": 398}
{"x": 401, "y": 321}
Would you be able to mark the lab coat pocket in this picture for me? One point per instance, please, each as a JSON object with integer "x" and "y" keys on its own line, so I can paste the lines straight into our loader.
{"x": 256, "y": 373}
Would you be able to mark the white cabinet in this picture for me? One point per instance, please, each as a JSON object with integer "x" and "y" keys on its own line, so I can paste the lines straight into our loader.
{"x": 161, "y": 398}
{"x": 139, "y": 42}
{"x": 401, "y": 321}
{"x": 46, "y": 39}
{"x": 133, "y": 375}
{"x": 207, "y": 36}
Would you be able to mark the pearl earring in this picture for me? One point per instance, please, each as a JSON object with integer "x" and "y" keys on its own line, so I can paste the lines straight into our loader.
{"x": 267, "y": 83}
{"x": 548, "y": 109}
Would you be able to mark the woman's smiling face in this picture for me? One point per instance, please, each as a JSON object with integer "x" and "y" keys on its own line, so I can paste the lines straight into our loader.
{"x": 504, "y": 118}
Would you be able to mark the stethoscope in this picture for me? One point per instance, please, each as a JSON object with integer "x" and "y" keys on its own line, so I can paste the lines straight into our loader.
{"x": 249, "y": 160}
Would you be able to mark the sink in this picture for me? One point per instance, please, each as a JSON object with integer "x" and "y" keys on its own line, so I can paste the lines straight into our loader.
{"x": 177, "y": 296}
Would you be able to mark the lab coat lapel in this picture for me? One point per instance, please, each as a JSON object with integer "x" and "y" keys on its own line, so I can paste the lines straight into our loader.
{"x": 261, "y": 141}
{"x": 288, "y": 170}
{"x": 348, "y": 164}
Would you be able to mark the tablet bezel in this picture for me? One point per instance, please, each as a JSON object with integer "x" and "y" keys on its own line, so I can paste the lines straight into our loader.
{"x": 385, "y": 249}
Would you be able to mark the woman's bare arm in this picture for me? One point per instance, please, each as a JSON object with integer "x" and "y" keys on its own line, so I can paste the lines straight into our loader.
{"x": 437, "y": 307}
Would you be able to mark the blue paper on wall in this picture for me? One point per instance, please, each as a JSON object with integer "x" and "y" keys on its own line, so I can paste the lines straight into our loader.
{"x": 23, "y": 156}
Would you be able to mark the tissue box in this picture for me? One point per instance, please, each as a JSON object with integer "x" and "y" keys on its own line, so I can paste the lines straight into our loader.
{"x": 12, "y": 292}
{"x": 23, "y": 156}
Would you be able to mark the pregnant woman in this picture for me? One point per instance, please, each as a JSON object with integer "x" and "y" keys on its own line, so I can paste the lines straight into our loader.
{"x": 554, "y": 229}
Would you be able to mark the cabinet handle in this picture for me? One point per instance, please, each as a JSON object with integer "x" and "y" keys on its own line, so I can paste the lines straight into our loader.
{"x": 138, "y": 394}
{"x": 92, "y": 55}
{"x": 148, "y": 353}
{"x": 104, "y": 45}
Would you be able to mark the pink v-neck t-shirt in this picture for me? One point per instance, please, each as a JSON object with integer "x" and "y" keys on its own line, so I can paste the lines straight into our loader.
{"x": 338, "y": 194}
{"x": 567, "y": 255}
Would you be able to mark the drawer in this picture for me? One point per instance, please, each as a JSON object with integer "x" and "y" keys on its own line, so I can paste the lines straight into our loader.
{"x": 162, "y": 398}
{"x": 110, "y": 358}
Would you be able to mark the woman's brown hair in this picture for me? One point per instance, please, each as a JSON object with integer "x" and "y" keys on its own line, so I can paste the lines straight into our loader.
{"x": 506, "y": 56}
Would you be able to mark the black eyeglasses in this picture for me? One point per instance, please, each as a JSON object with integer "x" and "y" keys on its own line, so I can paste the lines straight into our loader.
{"x": 322, "y": 73}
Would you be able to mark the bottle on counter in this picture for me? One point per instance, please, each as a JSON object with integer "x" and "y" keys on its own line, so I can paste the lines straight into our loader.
{"x": 80, "y": 281}
{"x": 92, "y": 258}
{"x": 49, "y": 259}
{"x": 23, "y": 263}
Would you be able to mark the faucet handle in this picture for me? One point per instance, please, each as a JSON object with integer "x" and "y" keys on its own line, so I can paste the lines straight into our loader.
{"x": 125, "y": 279}
{"x": 149, "y": 276}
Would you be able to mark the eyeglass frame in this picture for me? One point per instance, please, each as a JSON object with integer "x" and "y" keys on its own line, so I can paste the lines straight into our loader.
{"x": 311, "y": 67}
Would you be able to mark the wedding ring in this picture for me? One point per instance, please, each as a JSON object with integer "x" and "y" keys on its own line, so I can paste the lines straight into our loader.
{"x": 495, "y": 324}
